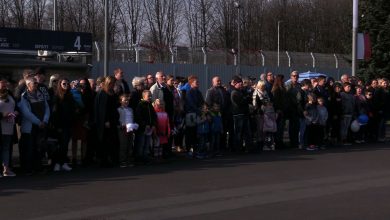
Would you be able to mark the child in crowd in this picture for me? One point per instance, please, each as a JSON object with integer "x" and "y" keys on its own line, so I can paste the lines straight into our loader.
{"x": 163, "y": 130}
{"x": 269, "y": 126}
{"x": 126, "y": 131}
{"x": 323, "y": 118}
{"x": 216, "y": 129}
{"x": 203, "y": 130}
{"x": 146, "y": 118}
{"x": 312, "y": 122}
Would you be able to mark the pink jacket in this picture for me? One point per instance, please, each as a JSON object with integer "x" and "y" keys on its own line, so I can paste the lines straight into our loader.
{"x": 163, "y": 130}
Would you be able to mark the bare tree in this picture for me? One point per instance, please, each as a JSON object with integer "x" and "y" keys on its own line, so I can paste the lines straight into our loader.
{"x": 200, "y": 21}
{"x": 5, "y": 6}
{"x": 18, "y": 10}
{"x": 164, "y": 22}
{"x": 37, "y": 13}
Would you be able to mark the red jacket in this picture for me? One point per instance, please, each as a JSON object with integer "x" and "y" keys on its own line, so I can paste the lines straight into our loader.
{"x": 163, "y": 130}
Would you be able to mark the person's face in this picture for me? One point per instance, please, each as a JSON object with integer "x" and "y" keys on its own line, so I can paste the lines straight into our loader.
{"x": 124, "y": 101}
{"x": 65, "y": 84}
{"x": 314, "y": 83}
{"x": 40, "y": 78}
{"x": 369, "y": 95}
{"x": 385, "y": 84}
{"x": 160, "y": 78}
{"x": 32, "y": 86}
{"x": 149, "y": 79}
{"x": 246, "y": 83}
{"x": 305, "y": 87}
{"x": 175, "y": 83}
{"x": 119, "y": 75}
{"x": 92, "y": 83}
{"x": 204, "y": 108}
{"x": 321, "y": 82}
{"x": 3, "y": 84}
{"x": 358, "y": 91}
{"x": 294, "y": 77}
{"x": 216, "y": 81}
{"x": 83, "y": 84}
{"x": 238, "y": 85}
{"x": 321, "y": 102}
{"x": 170, "y": 82}
{"x": 147, "y": 97}
{"x": 337, "y": 89}
{"x": 216, "y": 108}
{"x": 195, "y": 84}
{"x": 347, "y": 89}
{"x": 374, "y": 84}
{"x": 270, "y": 77}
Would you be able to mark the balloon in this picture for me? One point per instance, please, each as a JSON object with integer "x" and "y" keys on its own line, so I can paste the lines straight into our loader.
{"x": 363, "y": 119}
{"x": 355, "y": 126}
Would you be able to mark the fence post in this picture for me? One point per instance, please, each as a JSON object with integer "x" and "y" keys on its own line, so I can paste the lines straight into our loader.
{"x": 204, "y": 55}
{"x": 172, "y": 55}
{"x": 289, "y": 61}
{"x": 337, "y": 65}
{"x": 204, "y": 50}
{"x": 314, "y": 61}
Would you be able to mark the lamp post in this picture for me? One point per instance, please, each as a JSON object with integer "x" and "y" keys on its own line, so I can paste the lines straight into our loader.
{"x": 105, "y": 68}
{"x": 354, "y": 33}
{"x": 238, "y": 6}
{"x": 279, "y": 42}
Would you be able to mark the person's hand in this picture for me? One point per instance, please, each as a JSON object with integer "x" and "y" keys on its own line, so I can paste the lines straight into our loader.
{"x": 42, "y": 125}
{"x": 107, "y": 124}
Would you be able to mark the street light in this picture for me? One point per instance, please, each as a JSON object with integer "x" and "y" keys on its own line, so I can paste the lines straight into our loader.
{"x": 279, "y": 42}
{"x": 105, "y": 62}
{"x": 238, "y": 6}
{"x": 354, "y": 33}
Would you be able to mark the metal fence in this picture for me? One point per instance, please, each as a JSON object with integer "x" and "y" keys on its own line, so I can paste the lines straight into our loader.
{"x": 206, "y": 72}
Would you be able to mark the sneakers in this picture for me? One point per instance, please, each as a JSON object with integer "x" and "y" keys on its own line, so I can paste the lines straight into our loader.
{"x": 311, "y": 148}
{"x": 66, "y": 167}
{"x": 8, "y": 173}
{"x": 57, "y": 167}
{"x": 266, "y": 148}
{"x": 123, "y": 165}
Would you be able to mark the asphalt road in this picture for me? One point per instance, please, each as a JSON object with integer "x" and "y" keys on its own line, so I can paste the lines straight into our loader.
{"x": 336, "y": 183}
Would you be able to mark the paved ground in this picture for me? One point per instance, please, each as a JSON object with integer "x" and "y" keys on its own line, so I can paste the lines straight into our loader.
{"x": 290, "y": 184}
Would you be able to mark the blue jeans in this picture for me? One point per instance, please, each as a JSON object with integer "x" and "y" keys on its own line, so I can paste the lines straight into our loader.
{"x": 144, "y": 143}
{"x": 302, "y": 129}
{"x": 6, "y": 141}
{"x": 344, "y": 126}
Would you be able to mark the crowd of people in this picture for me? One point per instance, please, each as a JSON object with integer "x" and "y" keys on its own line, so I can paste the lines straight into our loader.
{"x": 159, "y": 115}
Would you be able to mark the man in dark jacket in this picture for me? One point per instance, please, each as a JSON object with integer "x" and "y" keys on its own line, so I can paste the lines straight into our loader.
{"x": 217, "y": 94}
{"x": 121, "y": 86}
{"x": 295, "y": 107}
{"x": 348, "y": 107}
{"x": 240, "y": 112}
